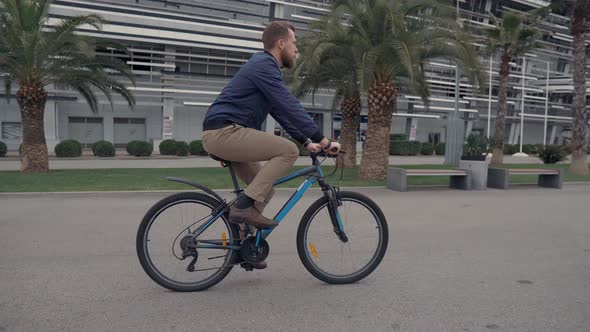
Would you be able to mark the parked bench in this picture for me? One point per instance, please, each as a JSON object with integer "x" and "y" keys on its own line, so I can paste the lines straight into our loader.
{"x": 549, "y": 178}
{"x": 397, "y": 177}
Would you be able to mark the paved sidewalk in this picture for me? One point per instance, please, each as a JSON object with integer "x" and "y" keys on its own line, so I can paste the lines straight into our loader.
{"x": 157, "y": 161}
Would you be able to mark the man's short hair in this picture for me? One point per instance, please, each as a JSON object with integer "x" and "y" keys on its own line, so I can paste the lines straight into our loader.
{"x": 274, "y": 31}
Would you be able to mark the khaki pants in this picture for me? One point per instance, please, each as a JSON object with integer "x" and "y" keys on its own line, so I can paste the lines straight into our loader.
{"x": 245, "y": 147}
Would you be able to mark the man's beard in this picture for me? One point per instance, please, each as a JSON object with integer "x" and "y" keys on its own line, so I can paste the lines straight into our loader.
{"x": 287, "y": 61}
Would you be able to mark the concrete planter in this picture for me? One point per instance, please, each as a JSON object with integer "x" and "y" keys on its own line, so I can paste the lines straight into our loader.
{"x": 479, "y": 173}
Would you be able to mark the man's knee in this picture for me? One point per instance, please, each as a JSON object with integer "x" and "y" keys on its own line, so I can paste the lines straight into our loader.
{"x": 291, "y": 150}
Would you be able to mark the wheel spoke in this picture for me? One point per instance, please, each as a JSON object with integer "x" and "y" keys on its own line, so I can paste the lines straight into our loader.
{"x": 173, "y": 218}
{"x": 344, "y": 261}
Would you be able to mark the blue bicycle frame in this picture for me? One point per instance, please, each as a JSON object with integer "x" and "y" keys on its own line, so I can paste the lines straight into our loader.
{"x": 317, "y": 175}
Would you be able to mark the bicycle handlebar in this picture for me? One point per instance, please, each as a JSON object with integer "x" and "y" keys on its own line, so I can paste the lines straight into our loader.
{"x": 323, "y": 153}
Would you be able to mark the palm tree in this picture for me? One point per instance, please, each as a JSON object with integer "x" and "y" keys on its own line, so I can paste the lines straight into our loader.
{"x": 393, "y": 40}
{"x": 580, "y": 20}
{"x": 327, "y": 61}
{"x": 512, "y": 36}
{"x": 34, "y": 56}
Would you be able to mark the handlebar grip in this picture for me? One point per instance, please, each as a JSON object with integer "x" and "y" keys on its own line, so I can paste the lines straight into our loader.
{"x": 323, "y": 153}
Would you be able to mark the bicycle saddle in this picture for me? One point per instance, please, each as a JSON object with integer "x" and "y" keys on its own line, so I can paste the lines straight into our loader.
{"x": 214, "y": 157}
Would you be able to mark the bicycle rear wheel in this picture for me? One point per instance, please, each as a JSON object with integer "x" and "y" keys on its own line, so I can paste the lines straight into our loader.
{"x": 329, "y": 259}
{"x": 166, "y": 230}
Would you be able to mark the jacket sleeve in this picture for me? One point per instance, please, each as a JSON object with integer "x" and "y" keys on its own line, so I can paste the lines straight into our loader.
{"x": 292, "y": 130}
{"x": 286, "y": 109}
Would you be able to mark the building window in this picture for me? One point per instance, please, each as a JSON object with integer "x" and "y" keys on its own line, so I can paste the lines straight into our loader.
{"x": 12, "y": 130}
{"x": 129, "y": 120}
{"x": 78, "y": 119}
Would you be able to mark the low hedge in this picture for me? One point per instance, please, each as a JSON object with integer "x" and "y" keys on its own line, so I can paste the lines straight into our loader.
{"x": 182, "y": 148}
{"x": 439, "y": 149}
{"x": 196, "y": 148}
{"x": 511, "y": 148}
{"x": 405, "y": 148}
{"x": 398, "y": 137}
{"x": 103, "y": 149}
{"x": 139, "y": 148}
{"x": 3, "y": 149}
{"x": 170, "y": 147}
{"x": 302, "y": 150}
{"x": 427, "y": 149}
{"x": 68, "y": 148}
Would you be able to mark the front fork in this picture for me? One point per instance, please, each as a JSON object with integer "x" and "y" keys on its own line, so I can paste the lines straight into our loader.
{"x": 334, "y": 202}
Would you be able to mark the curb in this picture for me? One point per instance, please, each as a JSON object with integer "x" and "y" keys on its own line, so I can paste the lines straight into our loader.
{"x": 229, "y": 190}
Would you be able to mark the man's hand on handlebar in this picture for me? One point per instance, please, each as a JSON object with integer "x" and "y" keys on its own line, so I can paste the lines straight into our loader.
{"x": 333, "y": 149}
{"x": 313, "y": 147}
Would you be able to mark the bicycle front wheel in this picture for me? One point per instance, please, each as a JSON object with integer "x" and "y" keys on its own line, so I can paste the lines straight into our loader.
{"x": 329, "y": 259}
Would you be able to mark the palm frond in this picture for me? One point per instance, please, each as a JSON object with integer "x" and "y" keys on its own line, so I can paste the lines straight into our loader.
{"x": 84, "y": 89}
{"x": 32, "y": 54}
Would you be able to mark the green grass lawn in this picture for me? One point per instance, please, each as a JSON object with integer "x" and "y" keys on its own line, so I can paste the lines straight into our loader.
{"x": 143, "y": 179}
{"x": 216, "y": 178}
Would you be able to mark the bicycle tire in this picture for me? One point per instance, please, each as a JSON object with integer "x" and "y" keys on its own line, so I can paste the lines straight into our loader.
{"x": 141, "y": 243}
{"x": 367, "y": 269}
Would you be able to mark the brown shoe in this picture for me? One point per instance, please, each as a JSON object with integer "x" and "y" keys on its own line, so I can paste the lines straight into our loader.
{"x": 260, "y": 265}
{"x": 250, "y": 216}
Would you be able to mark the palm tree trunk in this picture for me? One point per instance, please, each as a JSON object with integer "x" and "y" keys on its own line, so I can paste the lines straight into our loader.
{"x": 351, "y": 117}
{"x": 31, "y": 99}
{"x": 579, "y": 165}
{"x": 382, "y": 98}
{"x": 500, "y": 127}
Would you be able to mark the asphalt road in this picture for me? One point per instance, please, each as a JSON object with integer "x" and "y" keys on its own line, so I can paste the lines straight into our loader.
{"x": 516, "y": 260}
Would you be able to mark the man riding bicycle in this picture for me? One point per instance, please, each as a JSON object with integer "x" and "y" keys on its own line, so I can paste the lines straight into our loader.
{"x": 232, "y": 125}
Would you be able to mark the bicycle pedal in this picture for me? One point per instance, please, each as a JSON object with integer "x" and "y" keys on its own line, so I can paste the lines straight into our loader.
{"x": 247, "y": 266}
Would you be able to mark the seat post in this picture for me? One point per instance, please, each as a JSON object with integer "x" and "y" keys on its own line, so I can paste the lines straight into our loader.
{"x": 233, "y": 176}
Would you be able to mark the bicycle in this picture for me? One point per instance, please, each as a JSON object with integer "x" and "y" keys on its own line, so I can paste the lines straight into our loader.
{"x": 207, "y": 237}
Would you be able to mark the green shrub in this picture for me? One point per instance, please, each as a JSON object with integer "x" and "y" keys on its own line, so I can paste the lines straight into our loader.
{"x": 414, "y": 148}
{"x": 398, "y": 148}
{"x": 427, "y": 149}
{"x": 398, "y": 137}
{"x": 302, "y": 150}
{"x": 139, "y": 148}
{"x": 168, "y": 147}
{"x": 3, "y": 149}
{"x": 196, "y": 148}
{"x": 439, "y": 149}
{"x": 181, "y": 148}
{"x": 567, "y": 148}
{"x": 475, "y": 145}
{"x": 404, "y": 148}
{"x": 511, "y": 148}
{"x": 68, "y": 148}
{"x": 103, "y": 149}
{"x": 530, "y": 148}
{"x": 552, "y": 154}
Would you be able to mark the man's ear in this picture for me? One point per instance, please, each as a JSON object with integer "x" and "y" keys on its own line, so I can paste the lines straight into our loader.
{"x": 281, "y": 44}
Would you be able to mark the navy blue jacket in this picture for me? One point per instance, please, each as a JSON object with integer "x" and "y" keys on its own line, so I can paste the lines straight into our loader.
{"x": 257, "y": 90}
